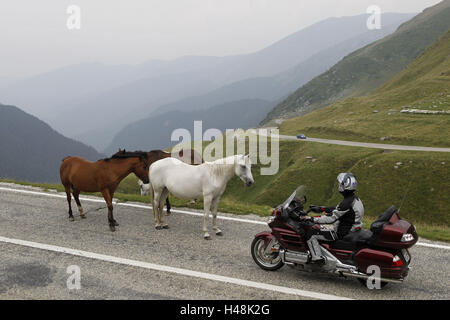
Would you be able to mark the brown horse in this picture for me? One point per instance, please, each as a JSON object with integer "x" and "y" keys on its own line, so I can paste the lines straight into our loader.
{"x": 102, "y": 176}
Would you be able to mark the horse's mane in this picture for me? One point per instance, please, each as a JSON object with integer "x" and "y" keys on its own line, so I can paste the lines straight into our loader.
{"x": 123, "y": 154}
{"x": 158, "y": 152}
{"x": 222, "y": 166}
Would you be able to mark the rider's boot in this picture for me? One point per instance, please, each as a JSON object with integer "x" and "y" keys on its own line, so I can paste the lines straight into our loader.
{"x": 314, "y": 248}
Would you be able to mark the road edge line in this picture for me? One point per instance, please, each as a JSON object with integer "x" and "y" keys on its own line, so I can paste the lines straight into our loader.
{"x": 179, "y": 271}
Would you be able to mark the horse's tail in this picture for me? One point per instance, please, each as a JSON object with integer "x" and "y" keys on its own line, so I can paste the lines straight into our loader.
{"x": 150, "y": 192}
{"x": 63, "y": 171}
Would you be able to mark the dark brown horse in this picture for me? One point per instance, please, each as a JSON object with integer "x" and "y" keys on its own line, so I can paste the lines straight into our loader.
{"x": 78, "y": 174}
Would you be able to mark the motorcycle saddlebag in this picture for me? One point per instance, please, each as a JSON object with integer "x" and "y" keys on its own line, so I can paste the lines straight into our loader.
{"x": 367, "y": 257}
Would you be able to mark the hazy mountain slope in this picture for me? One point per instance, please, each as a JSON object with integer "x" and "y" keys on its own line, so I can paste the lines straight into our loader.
{"x": 272, "y": 88}
{"x": 369, "y": 67}
{"x": 121, "y": 105}
{"x": 424, "y": 85}
{"x": 31, "y": 150}
{"x": 290, "y": 51}
{"x": 155, "y": 132}
{"x": 280, "y": 85}
{"x": 60, "y": 89}
{"x": 41, "y": 94}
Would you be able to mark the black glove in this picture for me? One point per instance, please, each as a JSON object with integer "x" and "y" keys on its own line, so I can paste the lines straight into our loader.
{"x": 315, "y": 209}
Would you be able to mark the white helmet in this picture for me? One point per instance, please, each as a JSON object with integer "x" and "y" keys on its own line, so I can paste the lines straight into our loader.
{"x": 346, "y": 181}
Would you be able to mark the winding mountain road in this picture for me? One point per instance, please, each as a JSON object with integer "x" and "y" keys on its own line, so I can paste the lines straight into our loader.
{"x": 38, "y": 246}
{"x": 365, "y": 144}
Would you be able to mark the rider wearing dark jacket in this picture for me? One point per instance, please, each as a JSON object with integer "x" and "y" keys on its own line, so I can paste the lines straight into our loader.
{"x": 346, "y": 217}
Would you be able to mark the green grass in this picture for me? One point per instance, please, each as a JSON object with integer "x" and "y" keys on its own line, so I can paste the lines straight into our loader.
{"x": 424, "y": 84}
{"x": 420, "y": 184}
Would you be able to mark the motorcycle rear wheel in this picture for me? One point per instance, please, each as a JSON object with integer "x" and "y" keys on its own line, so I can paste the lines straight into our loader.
{"x": 269, "y": 262}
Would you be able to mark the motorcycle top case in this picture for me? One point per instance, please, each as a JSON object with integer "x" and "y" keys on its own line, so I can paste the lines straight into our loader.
{"x": 389, "y": 229}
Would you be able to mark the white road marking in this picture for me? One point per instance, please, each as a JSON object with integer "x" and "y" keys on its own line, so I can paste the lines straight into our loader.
{"x": 130, "y": 205}
{"x": 163, "y": 268}
{"x": 430, "y": 245}
{"x": 424, "y": 244}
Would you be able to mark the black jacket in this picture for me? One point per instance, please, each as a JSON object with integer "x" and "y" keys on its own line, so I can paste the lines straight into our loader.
{"x": 346, "y": 217}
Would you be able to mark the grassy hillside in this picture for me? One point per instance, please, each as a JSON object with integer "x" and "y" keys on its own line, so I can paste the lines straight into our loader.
{"x": 424, "y": 84}
{"x": 366, "y": 69}
{"x": 416, "y": 181}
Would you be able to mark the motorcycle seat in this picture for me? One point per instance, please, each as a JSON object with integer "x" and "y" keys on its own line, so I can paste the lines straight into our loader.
{"x": 353, "y": 240}
{"x": 343, "y": 245}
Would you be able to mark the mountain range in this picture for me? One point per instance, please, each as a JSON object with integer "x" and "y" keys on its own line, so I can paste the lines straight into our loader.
{"x": 369, "y": 67}
{"x": 31, "y": 150}
{"x": 93, "y": 102}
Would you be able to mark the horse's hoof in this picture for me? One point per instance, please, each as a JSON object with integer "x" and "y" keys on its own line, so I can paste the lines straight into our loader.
{"x": 112, "y": 228}
{"x": 83, "y": 216}
{"x": 168, "y": 213}
{"x": 115, "y": 223}
{"x": 158, "y": 227}
{"x": 71, "y": 219}
{"x": 207, "y": 237}
{"x": 165, "y": 227}
{"x": 219, "y": 233}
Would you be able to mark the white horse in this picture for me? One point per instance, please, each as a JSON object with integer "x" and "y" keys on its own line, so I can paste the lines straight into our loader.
{"x": 207, "y": 181}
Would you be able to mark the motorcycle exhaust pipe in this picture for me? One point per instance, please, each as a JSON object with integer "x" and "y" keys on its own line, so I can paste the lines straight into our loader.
{"x": 365, "y": 276}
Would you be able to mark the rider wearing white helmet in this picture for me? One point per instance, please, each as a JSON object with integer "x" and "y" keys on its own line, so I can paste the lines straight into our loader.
{"x": 346, "y": 216}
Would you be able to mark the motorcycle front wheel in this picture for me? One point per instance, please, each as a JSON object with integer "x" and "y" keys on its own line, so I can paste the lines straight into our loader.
{"x": 271, "y": 261}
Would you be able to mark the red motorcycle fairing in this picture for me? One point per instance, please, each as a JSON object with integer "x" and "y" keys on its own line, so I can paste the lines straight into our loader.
{"x": 287, "y": 235}
{"x": 266, "y": 235}
{"x": 343, "y": 255}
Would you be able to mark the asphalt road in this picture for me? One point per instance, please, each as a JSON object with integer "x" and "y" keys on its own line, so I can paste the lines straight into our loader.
{"x": 367, "y": 144}
{"x": 38, "y": 244}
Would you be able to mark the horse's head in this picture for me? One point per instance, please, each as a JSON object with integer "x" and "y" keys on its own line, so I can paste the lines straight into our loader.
{"x": 141, "y": 169}
{"x": 243, "y": 169}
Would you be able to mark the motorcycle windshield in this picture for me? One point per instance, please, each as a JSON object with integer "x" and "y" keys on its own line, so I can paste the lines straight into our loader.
{"x": 300, "y": 192}
{"x": 289, "y": 200}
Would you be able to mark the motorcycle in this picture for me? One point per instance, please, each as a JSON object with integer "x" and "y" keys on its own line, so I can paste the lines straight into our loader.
{"x": 384, "y": 246}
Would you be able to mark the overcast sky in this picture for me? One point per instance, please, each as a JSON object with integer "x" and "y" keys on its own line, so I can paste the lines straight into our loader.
{"x": 35, "y": 38}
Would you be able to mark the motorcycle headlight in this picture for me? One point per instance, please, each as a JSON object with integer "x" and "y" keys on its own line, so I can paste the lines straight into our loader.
{"x": 407, "y": 237}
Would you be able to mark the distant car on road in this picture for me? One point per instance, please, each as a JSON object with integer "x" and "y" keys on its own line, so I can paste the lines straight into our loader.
{"x": 301, "y": 136}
